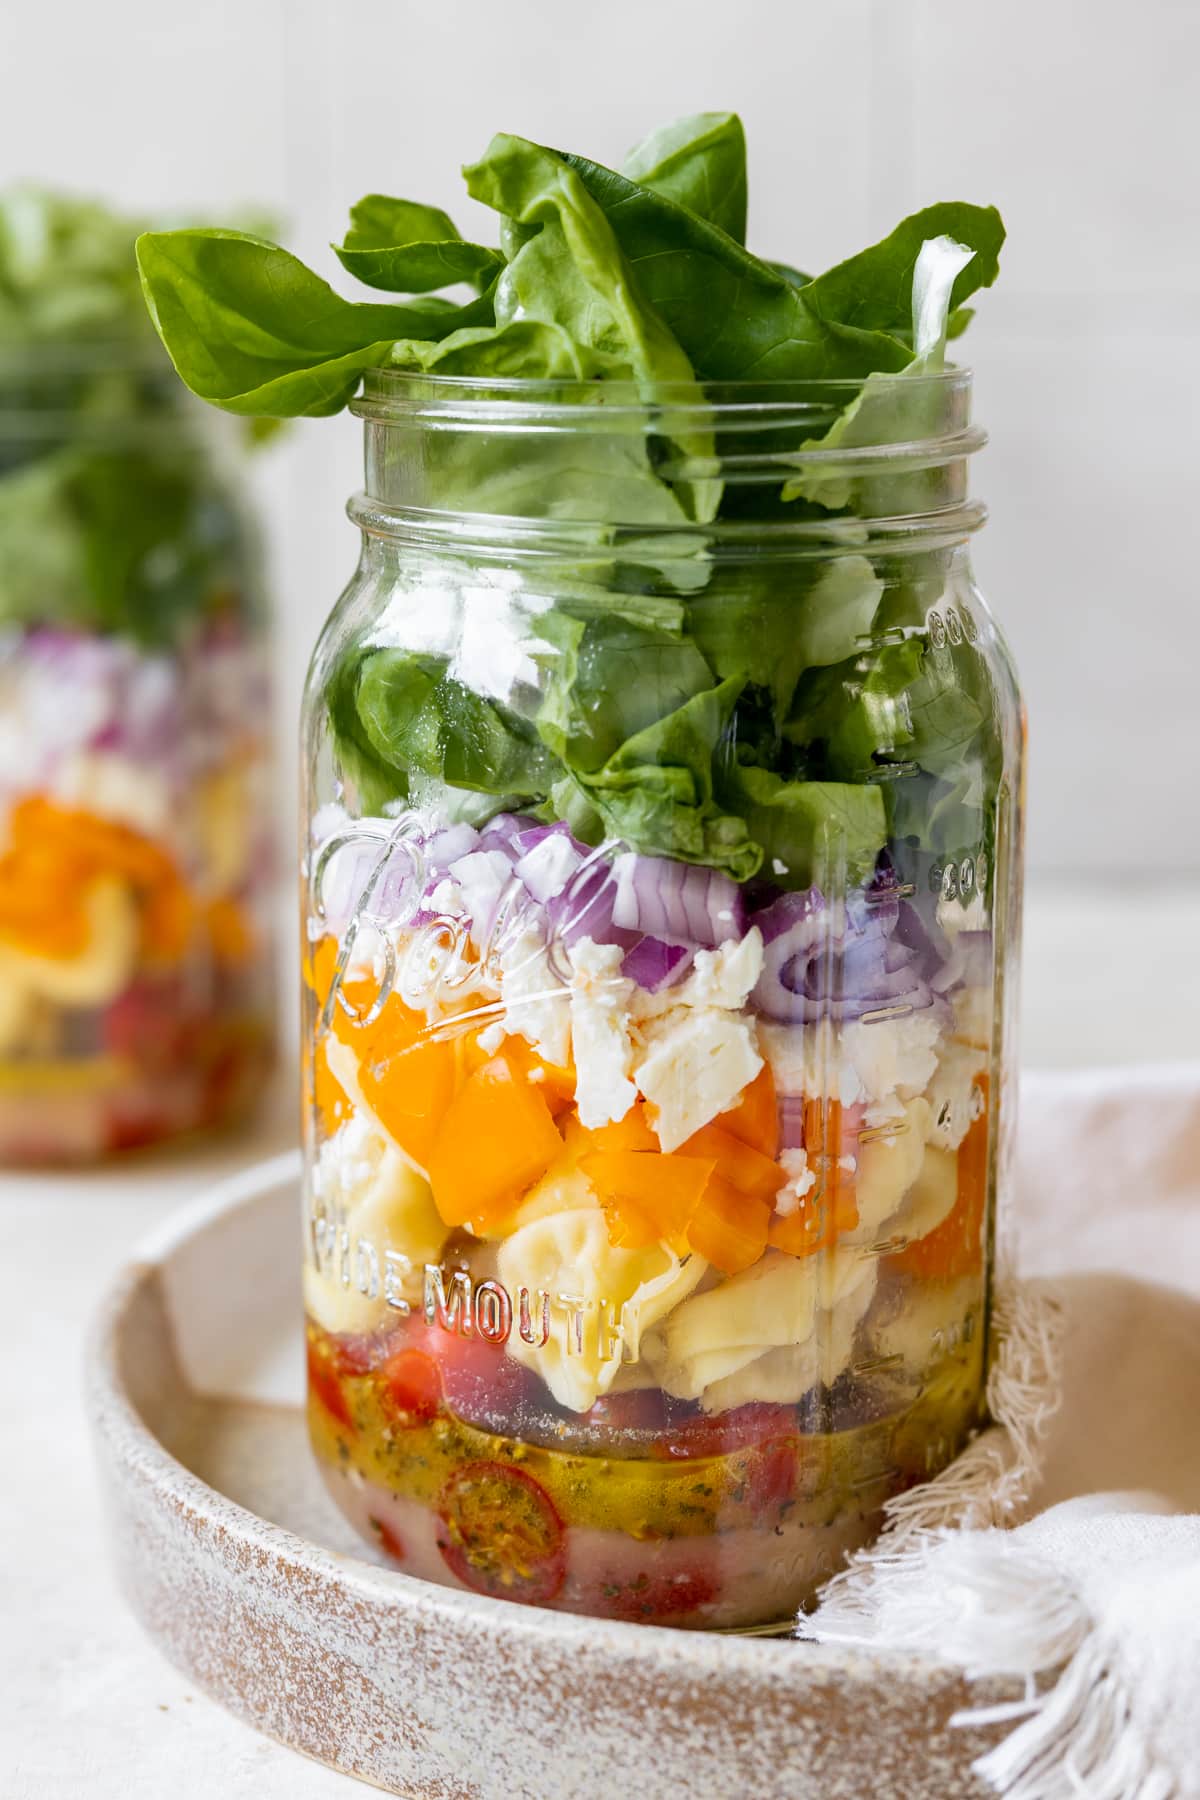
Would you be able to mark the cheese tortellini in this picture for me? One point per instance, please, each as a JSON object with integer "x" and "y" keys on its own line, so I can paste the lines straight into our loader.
{"x": 603, "y": 1299}
{"x": 767, "y": 1334}
{"x": 887, "y": 1168}
{"x": 385, "y": 1207}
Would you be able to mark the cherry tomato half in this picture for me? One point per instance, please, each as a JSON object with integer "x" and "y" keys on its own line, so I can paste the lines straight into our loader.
{"x": 500, "y": 1533}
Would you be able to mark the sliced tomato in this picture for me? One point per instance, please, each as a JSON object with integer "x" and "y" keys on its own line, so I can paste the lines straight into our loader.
{"x": 412, "y": 1386}
{"x": 651, "y": 1599}
{"x": 324, "y": 1386}
{"x": 387, "y": 1539}
{"x": 724, "y": 1434}
{"x": 500, "y": 1533}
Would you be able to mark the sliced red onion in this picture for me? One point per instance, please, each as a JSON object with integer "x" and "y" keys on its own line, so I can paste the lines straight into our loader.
{"x": 679, "y": 903}
{"x": 584, "y": 908}
{"x": 655, "y": 965}
{"x": 836, "y": 962}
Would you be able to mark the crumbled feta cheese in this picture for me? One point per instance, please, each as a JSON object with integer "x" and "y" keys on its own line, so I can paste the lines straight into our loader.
{"x": 446, "y": 897}
{"x": 723, "y": 977}
{"x": 695, "y": 1067}
{"x": 536, "y": 1004}
{"x": 974, "y": 1009}
{"x": 483, "y": 876}
{"x": 954, "y": 1099}
{"x": 491, "y": 1039}
{"x": 810, "y": 1060}
{"x": 893, "y": 1057}
{"x": 800, "y": 1181}
{"x": 600, "y": 1032}
{"x": 956, "y": 915}
{"x": 547, "y": 868}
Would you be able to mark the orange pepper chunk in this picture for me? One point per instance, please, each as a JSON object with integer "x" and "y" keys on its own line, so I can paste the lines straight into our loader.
{"x": 326, "y": 1091}
{"x": 629, "y": 1133}
{"x": 755, "y": 1118}
{"x": 557, "y": 1083}
{"x": 729, "y": 1229}
{"x": 647, "y": 1197}
{"x": 954, "y": 1248}
{"x": 411, "y": 1090}
{"x": 831, "y": 1207}
{"x": 738, "y": 1163}
{"x": 494, "y": 1140}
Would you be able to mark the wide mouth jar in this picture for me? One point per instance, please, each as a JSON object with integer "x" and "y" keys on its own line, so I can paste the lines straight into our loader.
{"x": 660, "y": 880}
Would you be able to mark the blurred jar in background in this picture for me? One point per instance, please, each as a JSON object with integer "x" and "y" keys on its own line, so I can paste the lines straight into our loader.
{"x": 136, "y": 824}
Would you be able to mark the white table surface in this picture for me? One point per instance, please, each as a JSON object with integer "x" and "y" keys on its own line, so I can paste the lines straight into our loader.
{"x": 88, "y": 1708}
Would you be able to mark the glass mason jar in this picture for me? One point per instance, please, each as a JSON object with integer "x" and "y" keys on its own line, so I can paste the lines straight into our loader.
{"x": 662, "y": 891}
{"x": 136, "y": 893}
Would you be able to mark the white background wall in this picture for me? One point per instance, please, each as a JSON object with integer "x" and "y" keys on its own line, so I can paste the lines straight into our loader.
{"x": 1077, "y": 117}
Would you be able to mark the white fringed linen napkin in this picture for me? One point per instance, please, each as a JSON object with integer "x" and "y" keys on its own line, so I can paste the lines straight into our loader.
{"x": 1063, "y": 1547}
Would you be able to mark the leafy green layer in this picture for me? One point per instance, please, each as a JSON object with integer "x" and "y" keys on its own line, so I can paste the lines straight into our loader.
{"x": 759, "y": 716}
{"x": 112, "y": 517}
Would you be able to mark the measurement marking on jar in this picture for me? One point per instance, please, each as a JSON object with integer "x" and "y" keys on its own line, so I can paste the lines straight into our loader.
{"x": 878, "y": 896}
{"x": 900, "y": 1011}
{"x": 873, "y": 1364}
{"x": 885, "y": 1246}
{"x": 879, "y": 1133}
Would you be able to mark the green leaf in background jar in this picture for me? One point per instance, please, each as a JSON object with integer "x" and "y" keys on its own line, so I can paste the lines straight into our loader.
{"x": 250, "y": 329}
{"x": 420, "y": 719}
{"x": 406, "y": 248}
{"x": 808, "y": 828}
{"x": 698, "y": 162}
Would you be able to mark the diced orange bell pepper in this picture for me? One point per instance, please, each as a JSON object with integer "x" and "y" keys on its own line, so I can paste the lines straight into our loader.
{"x": 327, "y": 1092}
{"x": 829, "y": 1208}
{"x": 557, "y": 1083}
{"x": 411, "y": 1091}
{"x": 729, "y": 1229}
{"x": 954, "y": 1248}
{"x": 647, "y": 1197}
{"x": 629, "y": 1133}
{"x": 737, "y": 1162}
{"x": 755, "y": 1118}
{"x": 494, "y": 1140}
{"x": 229, "y": 931}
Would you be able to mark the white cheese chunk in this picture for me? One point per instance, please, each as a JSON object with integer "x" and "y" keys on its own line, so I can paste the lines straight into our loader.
{"x": 696, "y": 1067}
{"x": 536, "y": 1004}
{"x": 600, "y": 1032}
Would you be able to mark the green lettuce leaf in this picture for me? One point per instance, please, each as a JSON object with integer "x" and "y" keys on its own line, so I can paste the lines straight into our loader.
{"x": 250, "y": 329}
{"x": 699, "y": 162}
{"x": 406, "y": 248}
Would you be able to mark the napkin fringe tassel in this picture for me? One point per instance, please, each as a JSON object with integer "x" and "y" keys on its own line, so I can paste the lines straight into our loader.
{"x": 1003, "y": 1610}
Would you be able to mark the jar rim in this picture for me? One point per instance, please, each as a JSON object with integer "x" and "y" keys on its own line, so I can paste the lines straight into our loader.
{"x": 405, "y": 394}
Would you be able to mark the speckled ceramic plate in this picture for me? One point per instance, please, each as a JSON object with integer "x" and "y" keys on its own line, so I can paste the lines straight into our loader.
{"x": 237, "y": 1563}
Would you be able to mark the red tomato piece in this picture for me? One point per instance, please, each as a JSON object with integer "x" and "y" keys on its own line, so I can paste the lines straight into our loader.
{"x": 412, "y": 1386}
{"x": 323, "y": 1385}
{"x": 500, "y": 1533}
{"x": 387, "y": 1539}
{"x": 651, "y": 1599}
